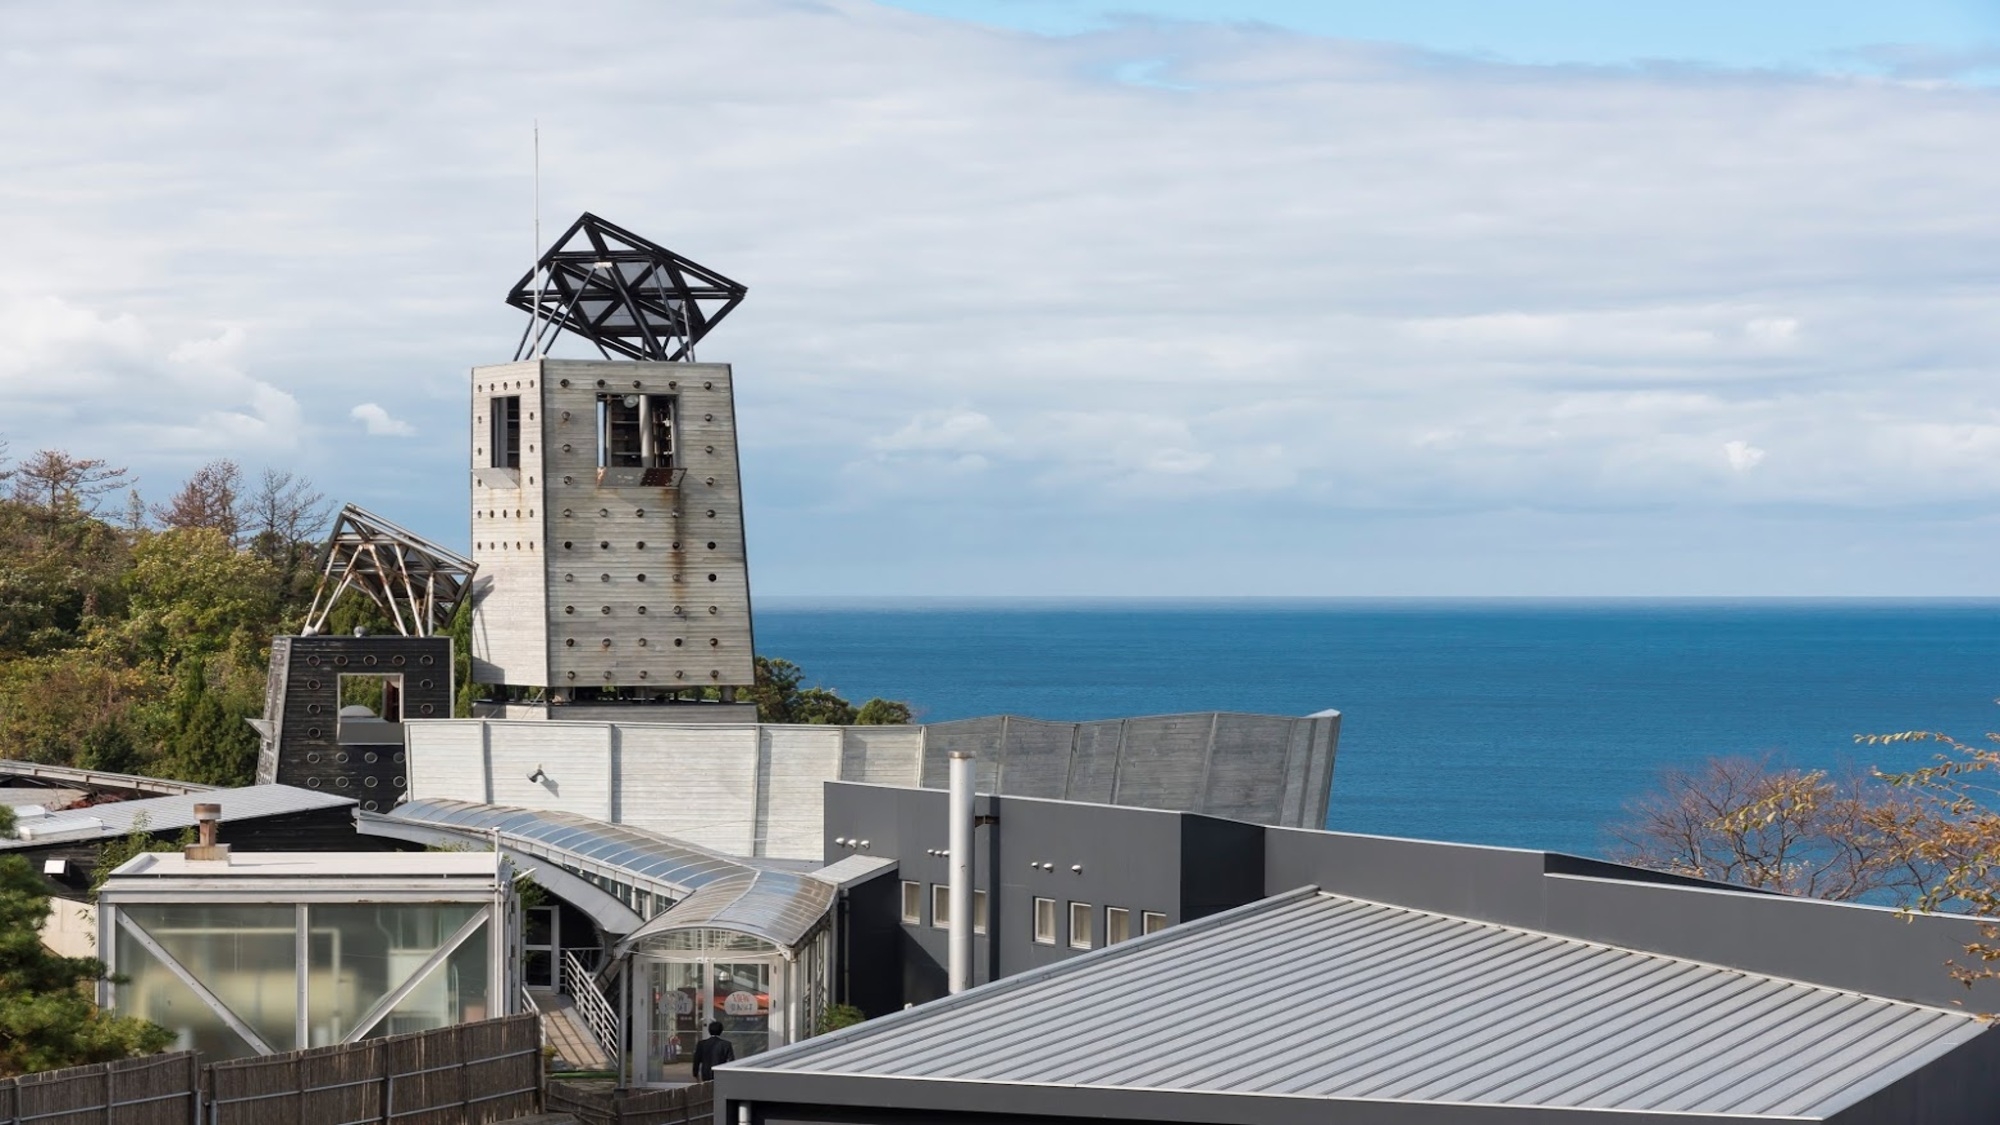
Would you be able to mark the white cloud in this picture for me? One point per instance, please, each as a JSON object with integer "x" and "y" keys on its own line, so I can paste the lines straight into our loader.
{"x": 380, "y": 423}
{"x": 983, "y": 268}
{"x": 1742, "y": 456}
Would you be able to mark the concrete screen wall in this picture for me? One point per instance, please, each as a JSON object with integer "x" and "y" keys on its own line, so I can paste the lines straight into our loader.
{"x": 754, "y": 789}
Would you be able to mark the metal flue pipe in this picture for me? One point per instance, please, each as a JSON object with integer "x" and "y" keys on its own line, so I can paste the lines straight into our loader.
{"x": 960, "y": 931}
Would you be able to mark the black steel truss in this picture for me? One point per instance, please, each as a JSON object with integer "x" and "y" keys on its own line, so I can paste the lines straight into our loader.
{"x": 626, "y": 295}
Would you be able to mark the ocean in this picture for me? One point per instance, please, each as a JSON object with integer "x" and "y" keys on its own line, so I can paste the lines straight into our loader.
{"x": 1527, "y": 723}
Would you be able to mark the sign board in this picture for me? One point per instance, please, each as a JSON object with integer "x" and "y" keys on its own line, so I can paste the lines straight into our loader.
{"x": 741, "y": 1004}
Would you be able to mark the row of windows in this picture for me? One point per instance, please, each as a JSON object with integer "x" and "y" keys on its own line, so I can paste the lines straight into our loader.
{"x": 634, "y": 431}
{"x": 1082, "y": 917}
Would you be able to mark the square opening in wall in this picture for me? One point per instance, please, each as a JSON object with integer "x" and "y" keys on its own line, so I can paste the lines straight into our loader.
{"x": 371, "y": 708}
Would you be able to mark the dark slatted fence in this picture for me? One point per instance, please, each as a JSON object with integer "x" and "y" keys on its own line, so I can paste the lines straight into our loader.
{"x": 466, "y": 1075}
{"x": 155, "y": 1090}
{"x": 684, "y": 1105}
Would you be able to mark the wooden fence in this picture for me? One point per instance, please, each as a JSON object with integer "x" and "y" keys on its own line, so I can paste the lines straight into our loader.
{"x": 155, "y": 1090}
{"x": 471, "y": 1074}
{"x": 466, "y": 1075}
{"x": 595, "y": 1105}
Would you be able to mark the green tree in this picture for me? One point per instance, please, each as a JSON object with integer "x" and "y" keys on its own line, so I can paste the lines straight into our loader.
{"x": 880, "y": 712}
{"x": 192, "y": 594}
{"x": 781, "y": 697}
{"x": 48, "y": 1020}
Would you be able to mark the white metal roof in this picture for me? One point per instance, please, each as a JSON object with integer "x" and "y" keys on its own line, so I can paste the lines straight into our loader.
{"x": 313, "y": 865}
{"x": 1324, "y": 996}
{"x": 156, "y": 814}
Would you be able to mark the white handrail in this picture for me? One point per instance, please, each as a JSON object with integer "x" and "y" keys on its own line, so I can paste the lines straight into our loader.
{"x": 598, "y": 1014}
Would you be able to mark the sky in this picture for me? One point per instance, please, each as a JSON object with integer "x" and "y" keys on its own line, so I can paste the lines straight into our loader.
{"x": 1168, "y": 297}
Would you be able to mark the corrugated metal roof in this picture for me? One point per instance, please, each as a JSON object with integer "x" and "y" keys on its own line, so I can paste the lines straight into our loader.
{"x": 766, "y": 900}
{"x": 160, "y": 814}
{"x": 1321, "y": 995}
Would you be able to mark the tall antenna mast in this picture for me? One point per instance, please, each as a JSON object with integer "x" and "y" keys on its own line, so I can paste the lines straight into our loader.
{"x": 535, "y": 259}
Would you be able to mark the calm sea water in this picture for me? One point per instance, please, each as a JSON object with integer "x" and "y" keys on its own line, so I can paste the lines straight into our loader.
{"x": 1527, "y": 723}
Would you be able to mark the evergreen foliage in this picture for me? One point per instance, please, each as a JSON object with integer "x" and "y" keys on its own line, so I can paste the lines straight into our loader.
{"x": 48, "y": 1019}
{"x": 782, "y": 697}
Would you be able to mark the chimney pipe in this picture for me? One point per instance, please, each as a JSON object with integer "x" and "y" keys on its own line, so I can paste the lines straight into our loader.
{"x": 208, "y": 818}
{"x": 960, "y": 931}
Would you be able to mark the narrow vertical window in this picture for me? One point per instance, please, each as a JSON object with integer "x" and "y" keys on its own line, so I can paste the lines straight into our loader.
{"x": 1079, "y": 925}
{"x": 979, "y": 912}
{"x": 505, "y": 443}
{"x": 1117, "y": 924}
{"x": 1152, "y": 922}
{"x": 913, "y": 903}
{"x": 940, "y": 906}
{"x": 1045, "y": 921}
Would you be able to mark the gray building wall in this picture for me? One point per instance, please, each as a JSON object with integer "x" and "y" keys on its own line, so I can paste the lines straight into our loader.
{"x": 1187, "y": 866}
{"x": 1180, "y": 865}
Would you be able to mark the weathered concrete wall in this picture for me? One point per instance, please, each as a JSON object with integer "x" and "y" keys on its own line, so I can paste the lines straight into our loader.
{"x": 754, "y": 789}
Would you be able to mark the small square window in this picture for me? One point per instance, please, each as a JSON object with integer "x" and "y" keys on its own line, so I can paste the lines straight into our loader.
{"x": 1152, "y": 922}
{"x": 1045, "y": 921}
{"x": 1117, "y": 924}
{"x": 913, "y": 903}
{"x": 1079, "y": 925}
{"x": 979, "y": 912}
{"x": 940, "y": 906}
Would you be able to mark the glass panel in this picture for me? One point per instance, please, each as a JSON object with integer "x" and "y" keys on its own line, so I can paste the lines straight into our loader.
{"x": 454, "y": 992}
{"x": 1079, "y": 925}
{"x": 742, "y": 1001}
{"x": 1153, "y": 922}
{"x": 979, "y": 912}
{"x": 702, "y": 940}
{"x": 913, "y": 903}
{"x": 676, "y": 1011}
{"x": 246, "y": 954}
{"x": 1045, "y": 921}
{"x": 1117, "y": 924}
{"x": 359, "y": 954}
{"x": 151, "y": 991}
{"x": 940, "y": 906}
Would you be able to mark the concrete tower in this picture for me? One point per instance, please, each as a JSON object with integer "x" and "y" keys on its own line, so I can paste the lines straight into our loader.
{"x": 607, "y": 505}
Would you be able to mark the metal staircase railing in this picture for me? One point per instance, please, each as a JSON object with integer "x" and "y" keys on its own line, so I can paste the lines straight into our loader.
{"x": 598, "y": 1015}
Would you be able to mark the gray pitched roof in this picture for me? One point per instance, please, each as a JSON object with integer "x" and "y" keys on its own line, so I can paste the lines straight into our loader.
{"x": 1331, "y": 997}
{"x": 164, "y": 814}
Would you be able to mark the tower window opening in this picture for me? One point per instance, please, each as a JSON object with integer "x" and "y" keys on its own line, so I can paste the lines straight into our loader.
{"x": 635, "y": 431}
{"x": 506, "y": 436}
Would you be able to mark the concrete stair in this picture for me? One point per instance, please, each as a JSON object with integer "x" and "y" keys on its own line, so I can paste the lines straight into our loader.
{"x": 563, "y": 1028}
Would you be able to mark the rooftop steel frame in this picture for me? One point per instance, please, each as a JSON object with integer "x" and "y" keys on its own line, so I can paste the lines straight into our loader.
{"x": 628, "y": 296}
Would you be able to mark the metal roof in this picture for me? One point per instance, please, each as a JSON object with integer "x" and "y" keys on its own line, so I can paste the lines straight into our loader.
{"x": 711, "y": 889}
{"x": 853, "y": 869}
{"x": 779, "y": 906}
{"x": 316, "y": 865}
{"x": 660, "y": 859}
{"x": 159, "y": 814}
{"x": 1324, "y": 996}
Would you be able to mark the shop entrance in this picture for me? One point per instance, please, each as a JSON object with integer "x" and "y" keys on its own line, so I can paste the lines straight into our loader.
{"x": 682, "y": 996}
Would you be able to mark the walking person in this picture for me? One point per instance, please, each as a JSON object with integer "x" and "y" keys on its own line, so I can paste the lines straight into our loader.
{"x": 712, "y": 1052}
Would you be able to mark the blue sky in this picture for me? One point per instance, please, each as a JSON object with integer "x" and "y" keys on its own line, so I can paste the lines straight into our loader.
{"x": 1047, "y": 299}
{"x": 1819, "y": 35}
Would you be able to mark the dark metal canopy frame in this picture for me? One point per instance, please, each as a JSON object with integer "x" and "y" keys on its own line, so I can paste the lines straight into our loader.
{"x": 628, "y": 296}
{"x": 416, "y": 582}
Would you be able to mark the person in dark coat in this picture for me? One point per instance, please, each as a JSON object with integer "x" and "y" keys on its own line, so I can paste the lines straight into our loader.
{"x": 712, "y": 1052}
